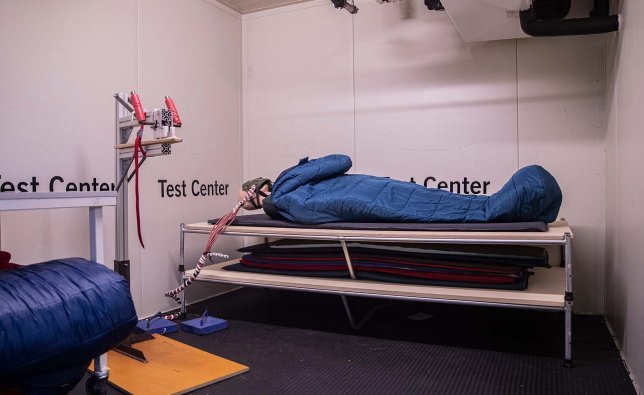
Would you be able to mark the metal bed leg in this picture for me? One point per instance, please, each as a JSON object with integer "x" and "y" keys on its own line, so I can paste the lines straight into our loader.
{"x": 357, "y": 326}
{"x": 568, "y": 302}
{"x": 96, "y": 384}
{"x": 182, "y": 267}
{"x": 100, "y": 367}
{"x": 96, "y": 243}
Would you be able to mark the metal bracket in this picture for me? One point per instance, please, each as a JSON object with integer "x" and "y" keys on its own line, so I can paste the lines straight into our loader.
{"x": 123, "y": 268}
{"x": 123, "y": 103}
{"x": 126, "y": 346}
{"x": 131, "y": 352}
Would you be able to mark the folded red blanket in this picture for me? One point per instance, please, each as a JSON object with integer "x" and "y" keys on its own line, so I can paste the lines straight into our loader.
{"x": 466, "y": 277}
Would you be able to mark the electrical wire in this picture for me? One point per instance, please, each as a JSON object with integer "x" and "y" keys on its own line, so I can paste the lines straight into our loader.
{"x": 216, "y": 230}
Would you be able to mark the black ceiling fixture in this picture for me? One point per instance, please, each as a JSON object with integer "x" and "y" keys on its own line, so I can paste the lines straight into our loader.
{"x": 434, "y": 5}
{"x": 346, "y": 5}
{"x": 546, "y": 18}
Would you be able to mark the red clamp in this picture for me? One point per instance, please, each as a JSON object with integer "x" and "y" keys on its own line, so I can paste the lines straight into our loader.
{"x": 138, "y": 108}
{"x": 175, "y": 114}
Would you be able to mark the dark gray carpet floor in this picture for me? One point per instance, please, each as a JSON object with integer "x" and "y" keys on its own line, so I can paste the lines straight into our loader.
{"x": 301, "y": 343}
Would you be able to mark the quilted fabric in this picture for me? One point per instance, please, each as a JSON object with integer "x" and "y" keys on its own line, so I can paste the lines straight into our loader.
{"x": 59, "y": 315}
{"x": 319, "y": 191}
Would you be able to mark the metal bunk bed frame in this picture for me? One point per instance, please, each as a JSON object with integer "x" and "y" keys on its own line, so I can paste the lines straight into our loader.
{"x": 564, "y": 242}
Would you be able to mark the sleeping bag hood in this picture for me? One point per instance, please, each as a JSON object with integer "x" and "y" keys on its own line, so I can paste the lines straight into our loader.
{"x": 318, "y": 191}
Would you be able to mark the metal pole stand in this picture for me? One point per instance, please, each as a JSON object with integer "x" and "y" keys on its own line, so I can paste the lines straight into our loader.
{"x": 125, "y": 122}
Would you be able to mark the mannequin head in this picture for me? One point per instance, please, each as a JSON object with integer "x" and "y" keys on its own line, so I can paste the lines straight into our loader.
{"x": 263, "y": 189}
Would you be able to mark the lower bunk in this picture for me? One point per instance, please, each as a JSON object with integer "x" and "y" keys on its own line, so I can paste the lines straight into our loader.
{"x": 545, "y": 291}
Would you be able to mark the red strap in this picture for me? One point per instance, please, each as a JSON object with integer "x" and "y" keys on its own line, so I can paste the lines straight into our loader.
{"x": 141, "y": 148}
{"x": 137, "y": 148}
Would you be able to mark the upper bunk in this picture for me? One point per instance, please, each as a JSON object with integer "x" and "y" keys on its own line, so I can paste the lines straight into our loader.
{"x": 557, "y": 233}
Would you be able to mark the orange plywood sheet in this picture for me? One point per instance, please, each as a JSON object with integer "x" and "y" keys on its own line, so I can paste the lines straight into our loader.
{"x": 172, "y": 368}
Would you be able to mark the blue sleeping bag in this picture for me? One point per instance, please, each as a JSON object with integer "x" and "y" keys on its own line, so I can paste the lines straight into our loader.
{"x": 57, "y": 316}
{"x": 318, "y": 191}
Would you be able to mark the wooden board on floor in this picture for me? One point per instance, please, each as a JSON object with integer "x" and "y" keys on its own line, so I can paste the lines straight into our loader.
{"x": 172, "y": 368}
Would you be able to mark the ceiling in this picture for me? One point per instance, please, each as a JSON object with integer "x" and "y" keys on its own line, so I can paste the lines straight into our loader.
{"x": 248, "y": 6}
{"x": 476, "y": 20}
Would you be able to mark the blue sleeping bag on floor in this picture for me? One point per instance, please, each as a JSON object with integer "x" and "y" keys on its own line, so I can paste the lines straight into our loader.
{"x": 56, "y": 316}
{"x": 318, "y": 191}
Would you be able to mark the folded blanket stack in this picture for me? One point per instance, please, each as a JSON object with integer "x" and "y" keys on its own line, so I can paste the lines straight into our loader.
{"x": 483, "y": 266}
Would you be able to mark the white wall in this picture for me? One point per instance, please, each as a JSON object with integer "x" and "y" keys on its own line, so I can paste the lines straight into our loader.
{"x": 561, "y": 126}
{"x": 624, "y": 213}
{"x": 404, "y": 98}
{"x": 408, "y": 98}
{"x": 61, "y": 63}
